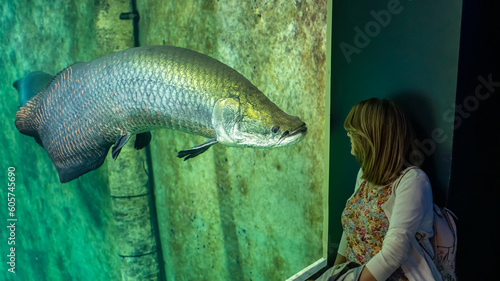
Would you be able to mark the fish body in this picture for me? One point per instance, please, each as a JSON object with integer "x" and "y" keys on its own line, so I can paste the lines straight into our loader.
{"x": 89, "y": 106}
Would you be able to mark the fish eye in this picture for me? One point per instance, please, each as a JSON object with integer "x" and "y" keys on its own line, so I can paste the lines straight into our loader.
{"x": 275, "y": 129}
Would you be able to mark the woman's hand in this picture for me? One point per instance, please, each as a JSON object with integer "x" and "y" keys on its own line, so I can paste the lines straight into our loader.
{"x": 340, "y": 259}
{"x": 366, "y": 275}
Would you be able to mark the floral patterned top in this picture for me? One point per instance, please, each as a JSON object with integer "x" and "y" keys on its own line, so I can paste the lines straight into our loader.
{"x": 365, "y": 225}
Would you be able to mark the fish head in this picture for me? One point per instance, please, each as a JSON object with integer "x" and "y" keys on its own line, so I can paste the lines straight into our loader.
{"x": 255, "y": 122}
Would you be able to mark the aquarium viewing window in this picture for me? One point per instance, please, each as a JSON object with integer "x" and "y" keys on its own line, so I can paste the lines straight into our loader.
{"x": 230, "y": 213}
{"x": 241, "y": 214}
{"x": 319, "y": 265}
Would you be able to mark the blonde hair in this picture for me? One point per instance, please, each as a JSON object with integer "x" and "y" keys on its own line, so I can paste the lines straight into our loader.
{"x": 382, "y": 139}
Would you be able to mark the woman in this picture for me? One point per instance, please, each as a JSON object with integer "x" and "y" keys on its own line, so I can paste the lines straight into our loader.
{"x": 380, "y": 223}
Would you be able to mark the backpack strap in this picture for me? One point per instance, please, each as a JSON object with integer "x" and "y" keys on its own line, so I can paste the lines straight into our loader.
{"x": 445, "y": 237}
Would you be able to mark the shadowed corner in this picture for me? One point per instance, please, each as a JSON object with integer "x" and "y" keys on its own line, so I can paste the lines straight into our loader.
{"x": 420, "y": 111}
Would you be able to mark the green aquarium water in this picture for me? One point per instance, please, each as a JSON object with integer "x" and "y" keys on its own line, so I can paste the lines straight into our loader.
{"x": 228, "y": 214}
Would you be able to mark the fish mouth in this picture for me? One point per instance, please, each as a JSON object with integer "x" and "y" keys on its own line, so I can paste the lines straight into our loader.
{"x": 294, "y": 136}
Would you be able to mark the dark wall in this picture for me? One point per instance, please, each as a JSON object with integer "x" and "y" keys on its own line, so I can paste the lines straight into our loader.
{"x": 402, "y": 50}
{"x": 474, "y": 184}
{"x": 413, "y": 60}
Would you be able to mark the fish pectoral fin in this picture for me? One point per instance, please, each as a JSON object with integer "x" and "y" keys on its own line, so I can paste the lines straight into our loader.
{"x": 121, "y": 140}
{"x": 141, "y": 140}
{"x": 197, "y": 150}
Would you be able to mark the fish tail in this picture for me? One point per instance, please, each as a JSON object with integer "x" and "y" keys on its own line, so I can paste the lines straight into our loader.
{"x": 31, "y": 84}
{"x": 26, "y": 121}
{"x": 28, "y": 89}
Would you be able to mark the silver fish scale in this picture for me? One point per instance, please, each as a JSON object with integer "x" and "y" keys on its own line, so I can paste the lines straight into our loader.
{"x": 89, "y": 104}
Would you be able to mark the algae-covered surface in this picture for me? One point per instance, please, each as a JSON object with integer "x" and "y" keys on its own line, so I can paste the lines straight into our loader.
{"x": 245, "y": 214}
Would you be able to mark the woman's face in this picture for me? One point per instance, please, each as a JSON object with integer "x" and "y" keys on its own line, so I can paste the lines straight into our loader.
{"x": 352, "y": 145}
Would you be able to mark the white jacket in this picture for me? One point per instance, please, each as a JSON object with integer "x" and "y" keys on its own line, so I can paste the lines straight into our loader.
{"x": 409, "y": 210}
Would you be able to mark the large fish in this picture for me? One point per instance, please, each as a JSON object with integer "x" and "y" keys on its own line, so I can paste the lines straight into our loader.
{"x": 89, "y": 106}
